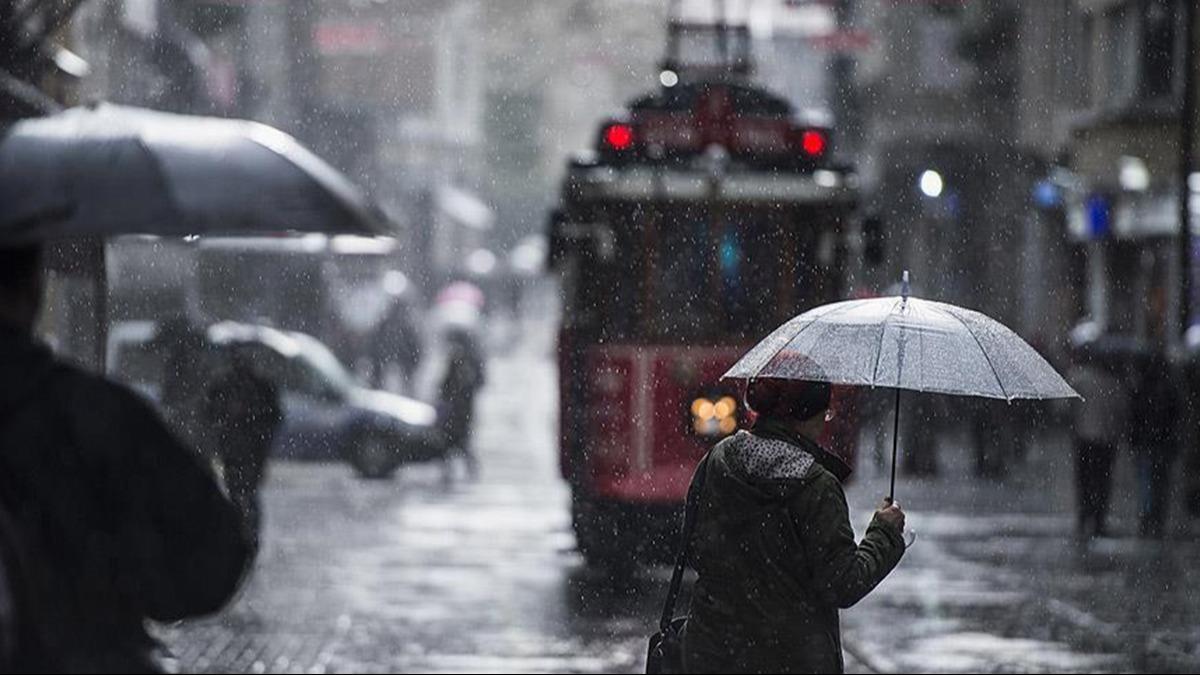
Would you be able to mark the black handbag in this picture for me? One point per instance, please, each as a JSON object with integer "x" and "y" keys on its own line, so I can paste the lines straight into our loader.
{"x": 666, "y": 646}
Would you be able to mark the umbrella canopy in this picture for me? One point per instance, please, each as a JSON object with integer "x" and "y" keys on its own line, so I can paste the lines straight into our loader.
{"x": 905, "y": 343}
{"x": 109, "y": 170}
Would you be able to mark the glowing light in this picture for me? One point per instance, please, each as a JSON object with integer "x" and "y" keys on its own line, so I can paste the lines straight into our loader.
{"x": 931, "y": 184}
{"x": 813, "y": 143}
{"x": 669, "y": 78}
{"x": 725, "y": 408}
{"x": 1133, "y": 174}
{"x": 619, "y": 136}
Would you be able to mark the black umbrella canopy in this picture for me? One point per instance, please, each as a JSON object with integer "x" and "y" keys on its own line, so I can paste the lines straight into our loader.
{"x": 107, "y": 170}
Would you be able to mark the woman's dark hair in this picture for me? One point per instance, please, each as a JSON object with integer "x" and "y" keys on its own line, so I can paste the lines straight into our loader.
{"x": 788, "y": 399}
{"x": 19, "y": 266}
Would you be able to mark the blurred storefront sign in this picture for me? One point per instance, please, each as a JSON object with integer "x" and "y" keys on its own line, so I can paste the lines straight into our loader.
{"x": 1143, "y": 216}
{"x": 340, "y": 37}
{"x": 1129, "y": 216}
{"x": 844, "y": 41}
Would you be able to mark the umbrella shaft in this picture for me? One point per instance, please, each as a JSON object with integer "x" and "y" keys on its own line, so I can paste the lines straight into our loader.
{"x": 895, "y": 447}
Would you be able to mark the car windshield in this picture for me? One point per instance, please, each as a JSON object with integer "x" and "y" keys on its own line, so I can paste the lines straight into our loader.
{"x": 317, "y": 357}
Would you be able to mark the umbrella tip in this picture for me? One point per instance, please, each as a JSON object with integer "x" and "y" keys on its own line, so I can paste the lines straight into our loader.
{"x": 904, "y": 285}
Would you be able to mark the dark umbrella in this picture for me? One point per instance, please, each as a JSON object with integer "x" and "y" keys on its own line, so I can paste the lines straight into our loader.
{"x": 105, "y": 170}
{"x": 904, "y": 343}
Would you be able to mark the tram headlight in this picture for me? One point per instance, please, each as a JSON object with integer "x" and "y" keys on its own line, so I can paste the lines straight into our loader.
{"x": 726, "y": 408}
{"x": 714, "y": 417}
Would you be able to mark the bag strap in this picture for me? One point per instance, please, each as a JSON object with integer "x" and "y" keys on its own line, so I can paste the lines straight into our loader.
{"x": 685, "y": 542}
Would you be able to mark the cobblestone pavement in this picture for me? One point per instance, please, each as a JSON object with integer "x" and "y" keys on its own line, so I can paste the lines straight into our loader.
{"x": 409, "y": 575}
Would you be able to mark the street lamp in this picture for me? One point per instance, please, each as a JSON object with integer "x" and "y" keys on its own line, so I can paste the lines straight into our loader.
{"x": 931, "y": 184}
{"x": 1133, "y": 174}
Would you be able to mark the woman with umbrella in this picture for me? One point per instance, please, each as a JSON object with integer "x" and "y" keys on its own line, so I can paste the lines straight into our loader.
{"x": 766, "y": 516}
{"x": 773, "y": 545}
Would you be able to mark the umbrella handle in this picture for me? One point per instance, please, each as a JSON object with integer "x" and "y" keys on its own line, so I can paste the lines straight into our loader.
{"x": 895, "y": 447}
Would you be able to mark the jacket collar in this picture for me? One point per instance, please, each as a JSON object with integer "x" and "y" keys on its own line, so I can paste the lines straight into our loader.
{"x": 772, "y": 428}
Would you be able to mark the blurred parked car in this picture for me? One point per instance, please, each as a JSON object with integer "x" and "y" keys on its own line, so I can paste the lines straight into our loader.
{"x": 328, "y": 415}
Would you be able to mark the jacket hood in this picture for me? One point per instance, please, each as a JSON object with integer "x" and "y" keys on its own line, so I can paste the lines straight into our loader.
{"x": 24, "y": 365}
{"x": 771, "y": 461}
{"x": 769, "y": 467}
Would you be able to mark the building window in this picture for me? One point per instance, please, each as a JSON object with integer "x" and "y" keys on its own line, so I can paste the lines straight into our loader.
{"x": 1120, "y": 56}
{"x": 1080, "y": 80}
{"x": 1137, "y": 54}
{"x": 942, "y": 68}
{"x": 1160, "y": 49}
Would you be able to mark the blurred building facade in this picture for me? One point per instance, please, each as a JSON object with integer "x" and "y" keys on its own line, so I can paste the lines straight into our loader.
{"x": 1123, "y": 155}
{"x": 937, "y": 116}
{"x": 1125, "y": 181}
{"x": 1055, "y": 127}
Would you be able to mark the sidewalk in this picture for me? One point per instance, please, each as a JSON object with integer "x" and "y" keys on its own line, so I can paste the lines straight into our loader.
{"x": 998, "y": 582}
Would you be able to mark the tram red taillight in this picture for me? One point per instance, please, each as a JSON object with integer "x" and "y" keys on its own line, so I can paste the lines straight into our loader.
{"x": 619, "y": 136}
{"x": 813, "y": 143}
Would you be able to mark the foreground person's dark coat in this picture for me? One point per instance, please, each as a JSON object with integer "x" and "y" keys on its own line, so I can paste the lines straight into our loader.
{"x": 119, "y": 521}
{"x": 777, "y": 558}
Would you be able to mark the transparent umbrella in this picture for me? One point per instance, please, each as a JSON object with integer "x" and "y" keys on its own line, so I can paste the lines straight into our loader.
{"x": 904, "y": 343}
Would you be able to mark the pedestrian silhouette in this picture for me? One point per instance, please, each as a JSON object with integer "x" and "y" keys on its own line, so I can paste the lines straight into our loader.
{"x": 463, "y": 378}
{"x": 1100, "y": 421}
{"x": 120, "y": 521}
{"x": 243, "y": 412}
{"x": 1154, "y": 438}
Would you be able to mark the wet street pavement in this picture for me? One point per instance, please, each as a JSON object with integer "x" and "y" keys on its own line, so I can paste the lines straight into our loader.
{"x": 409, "y": 575}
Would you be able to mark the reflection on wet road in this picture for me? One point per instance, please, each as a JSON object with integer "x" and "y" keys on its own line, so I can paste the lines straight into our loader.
{"x": 409, "y": 575}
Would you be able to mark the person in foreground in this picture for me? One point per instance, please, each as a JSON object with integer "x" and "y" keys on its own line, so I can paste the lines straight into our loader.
{"x": 117, "y": 520}
{"x": 773, "y": 545}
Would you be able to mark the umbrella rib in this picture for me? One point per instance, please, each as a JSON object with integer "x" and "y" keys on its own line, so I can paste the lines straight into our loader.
{"x": 758, "y": 371}
{"x": 879, "y": 351}
{"x": 987, "y": 358}
{"x": 160, "y": 172}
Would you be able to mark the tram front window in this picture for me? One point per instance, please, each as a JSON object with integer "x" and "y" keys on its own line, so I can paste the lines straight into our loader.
{"x": 695, "y": 276}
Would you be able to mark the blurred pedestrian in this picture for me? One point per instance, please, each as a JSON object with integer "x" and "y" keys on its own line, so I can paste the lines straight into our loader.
{"x": 773, "y": 544}
{"x": 121, "y": 521}
{"x": 396, "y": 345}
{"x": 244, "y": 412}
{"x": 1100, "y": 421}
{"x": 183, "y": 378}
{"x": 924, "y": 417}
{"x": 463, "y": 379}
{"x": 1153, "y": 438}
